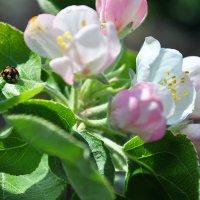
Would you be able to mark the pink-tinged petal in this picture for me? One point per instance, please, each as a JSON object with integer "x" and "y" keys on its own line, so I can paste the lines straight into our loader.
{"x": 191, "y": 65}
{"x": 193, "y": 132}
{"x": 100, "y": 8}
{"x": 159, "y": 93}
{"x": 121, "y": 115}
{"x": 63, "y": 67}
{"x": 159, "y": 131}
{"x": 139, "y": 111}
{"x": 114, "y": 45}
{"x": 196, "y": 111}
{"x": 74, "y": 18}
{"x": 120, "y": 12}
{"x": 141, "y": 14}
{"x": 40, "y": 36}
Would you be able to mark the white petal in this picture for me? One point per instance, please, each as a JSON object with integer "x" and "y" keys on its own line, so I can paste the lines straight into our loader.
{"x": 74, "y": 18}
{"x": 143, "y": 72}
{"x": 169, "y": 60}
{"x": 185, "y": 104}
{"x": 63, "y": 67}
{"x": 149, "y": 51}
{"x": 92, "y": 48}
{"x": 41, "y": 37}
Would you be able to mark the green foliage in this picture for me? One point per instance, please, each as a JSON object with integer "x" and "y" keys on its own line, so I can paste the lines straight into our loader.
{"x": 54, "y": 6}
{"x": 17, "y": 156}
{"x": 100, "y": 154}
{"x": 166, "y": 169}
{"x": 13, "y": 51}
{"x": 56, "y": 167}
{"x": 41, "y": 184}
{"x": 51, "y": 111}
{"x": 50, "y": 139}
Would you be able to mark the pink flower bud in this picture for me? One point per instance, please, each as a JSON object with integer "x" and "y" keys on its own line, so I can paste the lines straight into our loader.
{"x": 122, "y": 12}
{"x": 139, "y": 111}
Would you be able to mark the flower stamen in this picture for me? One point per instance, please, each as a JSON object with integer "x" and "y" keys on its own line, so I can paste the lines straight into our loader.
{"x": 83, "y": 23}
{"x": 68, "y": 36}
{"x": 171, "y": 81}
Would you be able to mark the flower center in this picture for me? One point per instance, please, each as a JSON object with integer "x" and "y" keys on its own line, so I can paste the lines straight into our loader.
{"x": 64, "y": 39}
{"x": 172, "y": 82}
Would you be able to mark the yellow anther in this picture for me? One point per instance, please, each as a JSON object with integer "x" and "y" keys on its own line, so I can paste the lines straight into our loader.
{"x": 186, "y": 72}
{"x": 176, "y": 98}
{"x": 186, "y": 93}
{"x": 174, "y": 81}
{"x": 173, "y": 77}
{"x": 68, "y": 36}
{"x": 83, "y": 23}
{"x": 182, "y": 82}
{"x": 165, "y": 81}
{"x": 168, "y": 73}
{"x": 170, "y": 84}
{"x": 182, "y": 78}
{"x": 172, "y": 91}
{"x": 63, "y": 45}
{"x": 59, "y": 40}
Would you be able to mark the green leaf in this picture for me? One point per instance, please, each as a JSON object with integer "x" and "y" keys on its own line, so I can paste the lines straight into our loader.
{"x": 14, "y": 52}
{"x": 7, "y": 103}
{"x": 54, "y": 6}
{"x": 166, "y": 169}
{"x": 56, "y": 167}
{"x": 17, "y": 156}
{"x": 101, "y": 155}
{"x": 52, "y": 111}
{"x": 42, "y": 184}
{"x": 48, "y": 6}
{"x": 74, "y": 155}
{"x": 127, "y": 58}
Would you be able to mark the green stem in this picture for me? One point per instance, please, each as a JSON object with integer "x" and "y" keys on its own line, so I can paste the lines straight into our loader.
{"x": 116, "y": 73}
{"x": 115, "y": 147}
{"x": 56, "y": 95}
{"x": 95, "y": 110}
{"x": 75, "y": 94}
{"x": 100, "y": 125}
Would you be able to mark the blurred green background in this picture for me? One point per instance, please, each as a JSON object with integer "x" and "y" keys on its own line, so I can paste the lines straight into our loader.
{"x": 175, "y": 23}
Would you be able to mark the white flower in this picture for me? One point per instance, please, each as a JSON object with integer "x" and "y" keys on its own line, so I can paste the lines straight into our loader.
{"x": 74, "y": 40}
{"x": 163, "y": 67}
{"x": 192, "y": 65}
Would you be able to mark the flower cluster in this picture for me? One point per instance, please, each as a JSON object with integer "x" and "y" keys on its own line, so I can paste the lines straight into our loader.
{"x": 81, "y": 42}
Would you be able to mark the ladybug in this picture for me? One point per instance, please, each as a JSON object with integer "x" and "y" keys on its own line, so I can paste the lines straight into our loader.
{"x": 10, "y": 74}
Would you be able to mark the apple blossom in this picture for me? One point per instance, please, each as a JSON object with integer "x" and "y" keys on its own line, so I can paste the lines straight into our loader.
{"x": 164, "y": 67}
{"x": 74, "y": 41}
{"x": 122, "y": 12}
{"x": 193, "y": 133}
{"x": 192, "y": 65}
{"x": 139, "y": 111}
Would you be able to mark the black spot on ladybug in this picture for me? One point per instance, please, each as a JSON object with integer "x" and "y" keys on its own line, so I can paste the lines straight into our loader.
{"x": 10, "y": 74}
